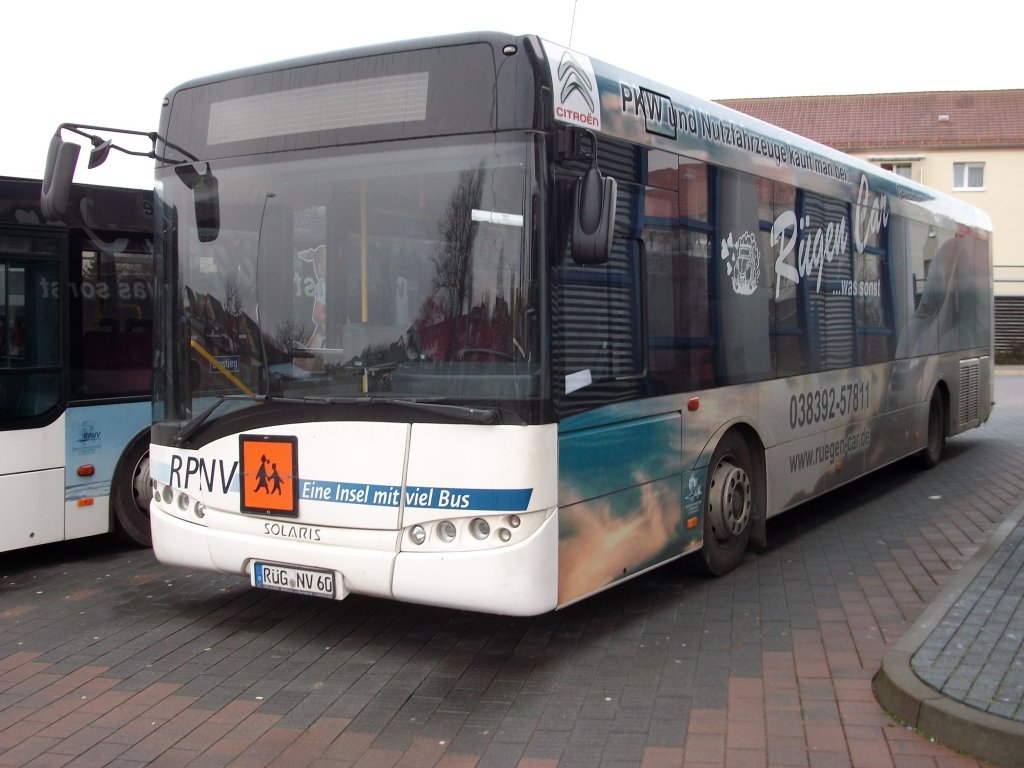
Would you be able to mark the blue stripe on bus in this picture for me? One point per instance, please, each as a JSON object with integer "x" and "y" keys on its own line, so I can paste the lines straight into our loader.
{"x": 420, "y": 497}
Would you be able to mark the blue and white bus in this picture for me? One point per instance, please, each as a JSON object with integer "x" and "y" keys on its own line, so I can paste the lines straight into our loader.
{"x": 76, "y": 311}
{"x": 483, "y": 322}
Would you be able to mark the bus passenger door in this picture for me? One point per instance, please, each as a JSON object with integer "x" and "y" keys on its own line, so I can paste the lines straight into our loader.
{"x": 32, "y": 388}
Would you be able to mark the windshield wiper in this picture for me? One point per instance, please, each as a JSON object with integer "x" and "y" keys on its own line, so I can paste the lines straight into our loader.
{"x": 193, "y": 426}
{"x": 478, "y": 415}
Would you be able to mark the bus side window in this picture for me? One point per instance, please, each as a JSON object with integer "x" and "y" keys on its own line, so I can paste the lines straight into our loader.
{"x": 677, "y": 275}
{"x": 742, "y": 278}
{"x": 923, "y": 246}
{"x": 875, "y": 337}
{"x": 787, "y": 306}
{"x": 111, "y": 324}
{"x": 982, "y": 292}
{"x": 30, "y": 335}
{"x": 597, "y": 316}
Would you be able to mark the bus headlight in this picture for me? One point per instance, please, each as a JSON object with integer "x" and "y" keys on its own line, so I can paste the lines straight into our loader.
{"x": 446, "y": 531}
{"x": 477, "y": 534}
{"x": 418, "y": 534}
{"x": 479, "y": 528}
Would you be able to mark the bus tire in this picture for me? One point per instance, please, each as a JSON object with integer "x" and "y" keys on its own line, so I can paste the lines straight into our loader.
{"x": 131, "y": 492}
{"x": 936, "y": 440}
{"x": 730, "y": 506}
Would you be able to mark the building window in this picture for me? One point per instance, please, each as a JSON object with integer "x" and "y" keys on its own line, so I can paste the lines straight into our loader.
{"x": 968, "y": 175}
{"x": 900, "y": 169}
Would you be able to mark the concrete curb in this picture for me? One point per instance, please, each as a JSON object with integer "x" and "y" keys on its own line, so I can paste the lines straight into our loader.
{"x": 904, "y": 695}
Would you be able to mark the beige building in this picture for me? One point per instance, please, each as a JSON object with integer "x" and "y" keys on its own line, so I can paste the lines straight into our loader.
{"x": 969, "y": 144}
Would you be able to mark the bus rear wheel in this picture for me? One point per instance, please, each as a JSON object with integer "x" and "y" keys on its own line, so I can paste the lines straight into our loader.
{"x": 131, "y": 492}
{"x": 936, "y": 431}
{"x": 729, "y": 506}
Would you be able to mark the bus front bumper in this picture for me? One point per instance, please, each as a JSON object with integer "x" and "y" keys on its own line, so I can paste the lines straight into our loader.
{"x": 518, "y": 580}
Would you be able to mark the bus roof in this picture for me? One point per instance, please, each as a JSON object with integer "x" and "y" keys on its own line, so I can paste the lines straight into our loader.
{"x": 91, "y": 206}
{"x": 643, "y": 110}
{"x": 597, "y": 96}
{"x": 496, "y": 39}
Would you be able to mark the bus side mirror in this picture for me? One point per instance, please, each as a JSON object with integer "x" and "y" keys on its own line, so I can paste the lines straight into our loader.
{"x": 593, "y": 218}
{"x": 205, "y": 199}
{"x": 60, "y": 170}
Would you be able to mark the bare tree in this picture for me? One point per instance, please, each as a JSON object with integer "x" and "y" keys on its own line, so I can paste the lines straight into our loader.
{"x": 453, "y": 279}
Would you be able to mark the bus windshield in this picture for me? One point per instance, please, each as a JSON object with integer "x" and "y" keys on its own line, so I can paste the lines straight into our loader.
{"x": 403, "y": 272}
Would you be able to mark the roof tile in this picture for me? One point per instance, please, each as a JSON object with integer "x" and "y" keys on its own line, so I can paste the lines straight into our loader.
{"x": 897, "y": 121}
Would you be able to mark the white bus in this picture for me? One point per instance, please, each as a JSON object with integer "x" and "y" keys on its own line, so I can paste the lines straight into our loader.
{"x": 76, "y": 300}
{"x": 482, "y": 322}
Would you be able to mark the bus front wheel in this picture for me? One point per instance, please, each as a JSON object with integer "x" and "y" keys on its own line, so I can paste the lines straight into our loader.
{"x": 131, "y": 492}
{"x": 730, "y": 505}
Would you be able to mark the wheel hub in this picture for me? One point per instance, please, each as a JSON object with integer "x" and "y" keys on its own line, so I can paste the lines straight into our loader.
{"x": 142, "y": 489}
{"x": 729, "y": 502}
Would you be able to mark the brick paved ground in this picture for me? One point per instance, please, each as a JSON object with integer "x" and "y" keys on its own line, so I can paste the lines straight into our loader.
{"x": 110, "y": 658}
{"x": 975, "y": 654}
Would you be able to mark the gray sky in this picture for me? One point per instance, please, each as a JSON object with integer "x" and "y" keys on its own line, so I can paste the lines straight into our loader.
{"x": 111, "y": 63}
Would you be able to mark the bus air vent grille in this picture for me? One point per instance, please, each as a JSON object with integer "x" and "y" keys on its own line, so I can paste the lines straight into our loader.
{"x": 969, "y": 376}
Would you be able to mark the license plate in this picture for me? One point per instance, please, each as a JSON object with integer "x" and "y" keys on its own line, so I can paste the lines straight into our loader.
{"x": 288, "y": 578}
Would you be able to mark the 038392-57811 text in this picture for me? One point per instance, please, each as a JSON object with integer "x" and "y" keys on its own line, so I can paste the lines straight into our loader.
{"x": 827, "y": 403}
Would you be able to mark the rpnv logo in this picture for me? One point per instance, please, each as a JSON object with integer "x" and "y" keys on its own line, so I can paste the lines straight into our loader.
{"x": 88, "y": 433}
{"x": 577, "y": 99}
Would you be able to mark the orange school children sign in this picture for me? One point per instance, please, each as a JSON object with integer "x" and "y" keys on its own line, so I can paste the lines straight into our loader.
{"x": 270, "y": 471}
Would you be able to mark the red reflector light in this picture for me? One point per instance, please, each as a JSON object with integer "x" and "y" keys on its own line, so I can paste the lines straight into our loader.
{"x": 86, "y": 470}
{"x": 693, "y": 404}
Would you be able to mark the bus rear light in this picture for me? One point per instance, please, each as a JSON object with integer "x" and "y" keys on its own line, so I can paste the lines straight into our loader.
{"x": 86, "y": 470}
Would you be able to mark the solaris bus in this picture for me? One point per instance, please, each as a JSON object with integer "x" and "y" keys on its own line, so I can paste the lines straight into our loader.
{"x": 483, "y": 322}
